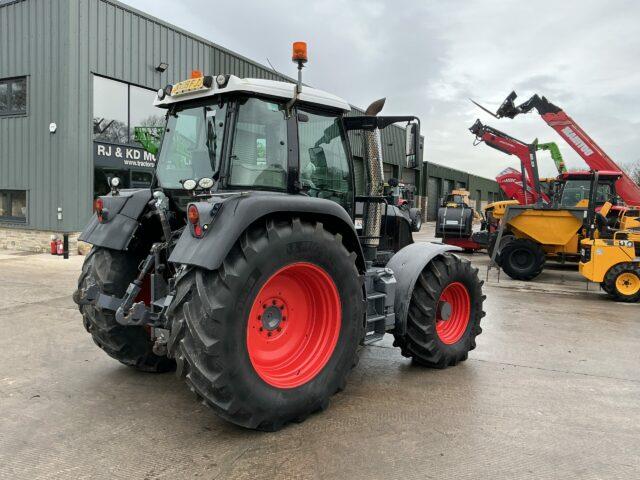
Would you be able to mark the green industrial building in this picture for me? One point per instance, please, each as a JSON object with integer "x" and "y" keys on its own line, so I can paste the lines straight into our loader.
{"x": 76, "y": 76}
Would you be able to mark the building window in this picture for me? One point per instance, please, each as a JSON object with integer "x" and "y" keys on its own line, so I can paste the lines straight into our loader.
{"x": 118, "y": 107}
{"x": 13, "y": 96}
{"x": 13, "y": 206}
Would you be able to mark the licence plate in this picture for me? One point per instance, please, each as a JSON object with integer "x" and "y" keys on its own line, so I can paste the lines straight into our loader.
{"x": 187, "y": 86}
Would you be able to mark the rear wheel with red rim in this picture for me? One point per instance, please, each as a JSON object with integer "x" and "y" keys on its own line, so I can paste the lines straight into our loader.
{"x": 271, "y": 335}
{"x": 444, "y": 313}
{"x": 453, "y": 312}
{"x": 293, "y": 325}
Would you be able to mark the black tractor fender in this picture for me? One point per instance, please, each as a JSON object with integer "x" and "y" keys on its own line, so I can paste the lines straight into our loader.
{"x": 226, "y": 216}
{"x": 120, "y": 221}
{"x": 407, "y": 264}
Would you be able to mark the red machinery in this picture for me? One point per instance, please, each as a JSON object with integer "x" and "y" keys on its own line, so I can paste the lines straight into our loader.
{"x": 511, "y": 181}
{"x": 571, "y": 132}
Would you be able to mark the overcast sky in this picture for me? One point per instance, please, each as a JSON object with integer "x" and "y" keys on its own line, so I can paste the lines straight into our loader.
{"x": 428, "y": 57}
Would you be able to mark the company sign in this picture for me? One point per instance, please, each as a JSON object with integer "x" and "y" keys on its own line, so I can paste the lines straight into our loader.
{"x": 116, "y": 156}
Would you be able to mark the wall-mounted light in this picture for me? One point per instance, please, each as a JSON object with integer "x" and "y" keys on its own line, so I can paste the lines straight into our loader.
{"x": 162, "y": 66}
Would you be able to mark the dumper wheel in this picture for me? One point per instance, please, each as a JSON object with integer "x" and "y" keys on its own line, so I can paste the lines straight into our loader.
{"x": 112, "y": 271}
{"x": 522, "y": 259}
{"x": 506, "y": 238}
{"x": 622, "y": 282}
{"x": 271, "y": 335}
{"x": 444, "y": 313}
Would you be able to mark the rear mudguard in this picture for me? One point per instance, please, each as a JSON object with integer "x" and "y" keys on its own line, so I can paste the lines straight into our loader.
{"x": 225, "y": 216}
{"x": 120, "y": 219}
{"x": 407, "y": 265}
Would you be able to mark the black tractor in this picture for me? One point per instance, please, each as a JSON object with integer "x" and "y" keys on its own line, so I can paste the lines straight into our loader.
{"x": 251, "y": 265}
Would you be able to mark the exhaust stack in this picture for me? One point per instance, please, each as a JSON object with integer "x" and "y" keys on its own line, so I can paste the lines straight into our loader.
{"x": 375, "y": 183}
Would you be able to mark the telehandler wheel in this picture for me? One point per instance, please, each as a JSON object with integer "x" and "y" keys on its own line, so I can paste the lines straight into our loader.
{"x": 113, "y": 271}
{"x": 622, "y": 282}
{"x": 272, "y": 334}
{"x": 444, "y": 313}
{"x": 522, "y": 259}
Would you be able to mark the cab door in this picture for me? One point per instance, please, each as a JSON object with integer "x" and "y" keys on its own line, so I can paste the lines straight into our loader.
{"x": 324, "y": 167}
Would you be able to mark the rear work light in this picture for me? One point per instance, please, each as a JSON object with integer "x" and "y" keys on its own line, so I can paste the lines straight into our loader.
{"x": 193, "y": 215}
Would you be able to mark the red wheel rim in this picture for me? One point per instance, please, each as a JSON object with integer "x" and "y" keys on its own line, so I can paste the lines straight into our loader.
{"x": 294, "y": 325}
{"x": 453, "y": 312}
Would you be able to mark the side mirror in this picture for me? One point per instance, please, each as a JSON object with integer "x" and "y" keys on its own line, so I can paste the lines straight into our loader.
{"x": 412, "y": 145}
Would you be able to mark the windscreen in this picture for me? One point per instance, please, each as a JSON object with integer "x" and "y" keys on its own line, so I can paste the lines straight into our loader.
{"x": 191, "y": 147}
{"x": 575, "y": 191}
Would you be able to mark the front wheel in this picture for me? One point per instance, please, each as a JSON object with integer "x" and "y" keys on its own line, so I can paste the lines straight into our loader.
{"x": 622, "y": 282}
{"x": 112, "y": 271}
{"x": 444, "y": 314}
{"x": 271, "y": 335}
{"x": 522, "y": 259}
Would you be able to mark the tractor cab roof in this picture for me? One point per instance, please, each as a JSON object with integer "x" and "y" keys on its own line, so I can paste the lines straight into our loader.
{"x": 223, "y": 84}
{"x": 586, "y": 174}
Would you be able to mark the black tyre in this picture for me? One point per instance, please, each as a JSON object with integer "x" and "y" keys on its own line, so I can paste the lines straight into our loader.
{"x": 113, "y": 271}
{"x": 622, "y": 282}
{"x": 416, "y": 219}
{"x": 444, "y": 313}
{"x": 493, "y": 237}
{"x": 606, "y": 289}
{"x": 522, "y": 259}
{"x": 272, "y": 334}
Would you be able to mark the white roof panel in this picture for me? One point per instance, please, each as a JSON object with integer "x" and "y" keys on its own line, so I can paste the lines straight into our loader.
{"x": 272, "y": 88}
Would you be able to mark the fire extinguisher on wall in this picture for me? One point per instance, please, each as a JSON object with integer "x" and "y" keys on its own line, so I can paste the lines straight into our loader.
{"x": 53, "y": 246}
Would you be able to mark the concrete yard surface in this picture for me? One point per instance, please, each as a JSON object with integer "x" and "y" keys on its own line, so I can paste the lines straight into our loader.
{"x": 552, "y": 391}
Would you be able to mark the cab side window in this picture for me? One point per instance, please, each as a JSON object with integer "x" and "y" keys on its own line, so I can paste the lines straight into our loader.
{"x": 259, "y": 156}
{"x": 324, "y": 164}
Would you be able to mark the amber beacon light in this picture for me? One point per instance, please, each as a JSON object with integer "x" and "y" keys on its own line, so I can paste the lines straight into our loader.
{"x": 299, "y": 53}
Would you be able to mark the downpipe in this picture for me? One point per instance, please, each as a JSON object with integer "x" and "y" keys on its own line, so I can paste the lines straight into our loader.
{"x": 375, "y": 184}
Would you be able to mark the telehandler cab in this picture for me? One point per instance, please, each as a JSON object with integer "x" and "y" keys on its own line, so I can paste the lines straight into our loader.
{"x": 247, "y": 264}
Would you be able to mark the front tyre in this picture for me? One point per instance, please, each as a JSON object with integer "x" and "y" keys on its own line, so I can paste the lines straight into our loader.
{"x": 622, "y": 282}
{"x": 444, "y": 313}
{"x": 112, "y": 271}
{"x": 522, "y": 259}
{"x": 271, "y": 335}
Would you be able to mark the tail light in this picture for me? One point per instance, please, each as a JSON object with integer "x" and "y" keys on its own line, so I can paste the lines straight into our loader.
{"x": 193, "y": 215}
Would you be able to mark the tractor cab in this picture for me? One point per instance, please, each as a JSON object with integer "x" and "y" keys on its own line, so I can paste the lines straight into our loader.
{"x": 234, "y": 135}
